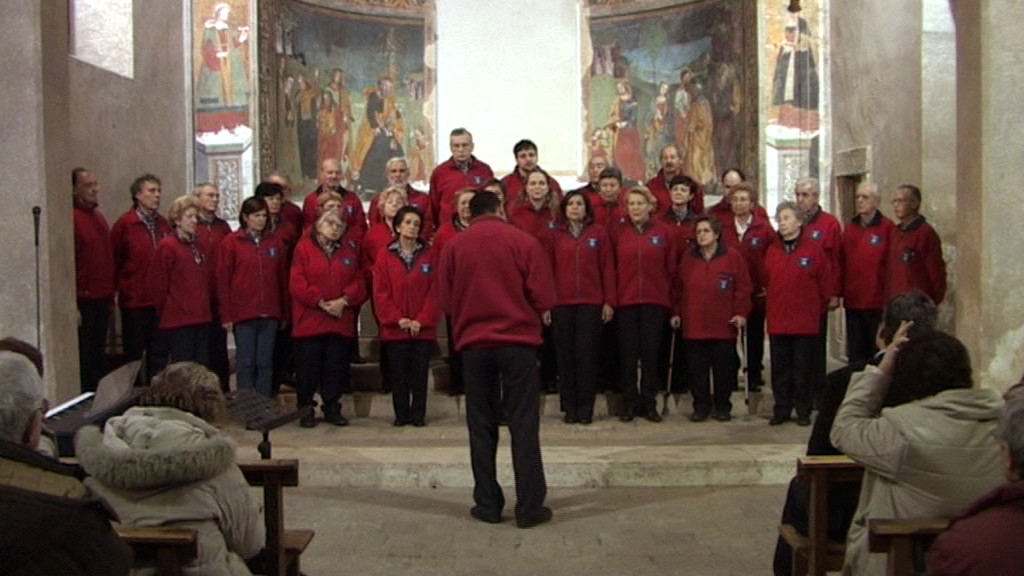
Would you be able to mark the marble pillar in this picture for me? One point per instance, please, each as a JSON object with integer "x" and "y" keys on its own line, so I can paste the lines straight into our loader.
{"x": 990, "y": 212}
{"x": 37, "y": 173}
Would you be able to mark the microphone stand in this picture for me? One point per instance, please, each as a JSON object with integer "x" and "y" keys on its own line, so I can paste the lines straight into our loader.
{"x": 36, "y": 212}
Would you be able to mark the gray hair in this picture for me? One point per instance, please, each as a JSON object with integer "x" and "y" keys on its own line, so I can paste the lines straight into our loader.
{"x": 395, "y": 160}
{"x": 810, "y": 183}
{"x": 199, "y": 188}
{"x": 21, "y": 393}
{"x": 871, "y": 188}
{"x": 1012, "y": 425}
{"x": 461, "y": 132}
{"x": 794, "y": 207}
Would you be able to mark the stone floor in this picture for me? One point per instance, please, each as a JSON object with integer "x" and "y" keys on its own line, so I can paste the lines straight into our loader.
{"x": 692, "y": 531}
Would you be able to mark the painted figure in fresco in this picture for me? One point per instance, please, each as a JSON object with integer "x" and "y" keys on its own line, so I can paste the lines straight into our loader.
{"x": 418, "y": 155}
{"x": 681, "y": 107}
{"x": 224, "y": 76}
{"x": 344, "y": 108}
{"x": 796, "y": 77}
{"x": 726, "y": 102}
{"x": 658, "y": 135}
{"x": 307, "y": 97}
{"x": 380, "y": 135}
{"x": 698, "y": 137}
{"x": 328, "y": 125}
{"x": 288, "y": 135}
{"x": 622, "y": 119}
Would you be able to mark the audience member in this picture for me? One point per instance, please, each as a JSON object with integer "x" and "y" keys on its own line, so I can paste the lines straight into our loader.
{"x": 930, "y": 457}
{"x": 985, "y": 539}
{"x": 53, "y": 523}
{"x": 163, "y": 463}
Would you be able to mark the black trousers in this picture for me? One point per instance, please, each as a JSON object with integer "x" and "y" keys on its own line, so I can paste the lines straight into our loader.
{"x": 861, "y": 329}
{"x": 793, "y": 373}
{"x": 717, "y": 357}
{"x": 139, "y": 335}
{"x": 819, "y": 380}
{"x": 322, "y": 363}
{"x": 548, "y": 357}
{"x": 189, "y": 344}
{"x": 408, "y": 362}
{"x": 454, "y": 360}
{"x": 217, "y": 338}
{"x": 674, "y": 359}
{"x": 92, "y": 341}
{"x": 504, "y": 380}
{"x": 284, "y": 359}
{"x": 640, "y": 333}
{"x": 755, "y": 349}
{"x": 577, "y": 333}
{"x": 608, "y": 377}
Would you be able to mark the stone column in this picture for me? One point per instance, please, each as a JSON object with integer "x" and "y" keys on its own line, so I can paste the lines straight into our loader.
{"x": 36, "y": 172}
{"x": 990, "y": 209}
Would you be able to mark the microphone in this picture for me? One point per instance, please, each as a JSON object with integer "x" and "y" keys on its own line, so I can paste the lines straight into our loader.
{"x": 36, "y": 211}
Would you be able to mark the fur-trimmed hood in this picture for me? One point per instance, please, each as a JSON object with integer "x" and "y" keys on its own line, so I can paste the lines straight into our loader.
{"x": 149, "y": 447}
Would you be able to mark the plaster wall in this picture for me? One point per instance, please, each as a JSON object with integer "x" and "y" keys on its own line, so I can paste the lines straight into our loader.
{"x": 123, "y": 127}
{"x": 990, "y": 317}
{"x": 876, "y": 87}
{"x": 507, "y": 71}
{"x": 34, "y": 160}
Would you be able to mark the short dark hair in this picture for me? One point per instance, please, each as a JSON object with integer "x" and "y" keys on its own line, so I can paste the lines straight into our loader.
{"x": 684, "y": 180}
{"x": 251, "y": 205}
{"x": 913, "y": 306}
{"x": 460, "y": 132}
{"x": 265, "y": 189}
{"x": 914, "y": 191}
{"x": 18, "y": 346}
{"x": 588, "y": 208}
{"x": 611, "y": 172}
{"x": 523, "y": 145}
{"x": 495, "y": 182}
{"x": 138, "y": 182}
{"x": 400, "y": 215}
{"x": 75, "y": 172}
{"x": 484, "y": 203}
{"x": 715, "y": 223}
{"x": 930, "y": 363}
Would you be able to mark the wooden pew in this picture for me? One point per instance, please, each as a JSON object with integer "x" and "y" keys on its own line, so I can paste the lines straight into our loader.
{"x": 284, "y": 547}
{"x": 172, "y": 548}
{"x": 814, "y": 554}
{"x": 900, "y": 538}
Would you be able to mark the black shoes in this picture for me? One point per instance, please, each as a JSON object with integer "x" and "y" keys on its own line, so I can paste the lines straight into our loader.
{"x": 399, "y": 422}
{"x": 307, "y": 419}
{"x": 570, "y": 419}
{"x": 586, "y": 420}
{"x": 699, "y": 417}
{"x": 626, "y": 417}
{"x": 335, "y": 418}
{"x": 418, "y": 422}
{"x": 722, "y": 416}
{"x": 776, "y": 420}
{"x": 652, "y": 415}
{"x": 542, "y": 516}
{"x": 803, "y": 420}
{"x": 484, "y": 516}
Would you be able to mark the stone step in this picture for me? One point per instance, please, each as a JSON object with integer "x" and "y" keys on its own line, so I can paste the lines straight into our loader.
{"x": 373, "y": 453}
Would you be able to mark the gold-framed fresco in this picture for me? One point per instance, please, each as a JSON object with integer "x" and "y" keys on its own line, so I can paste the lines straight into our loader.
{"x": 659, "y": 72}
{"x": 352, "y": 80}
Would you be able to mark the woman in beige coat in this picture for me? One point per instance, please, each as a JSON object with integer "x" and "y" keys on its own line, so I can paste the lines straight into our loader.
{"x": 163, "y": 464}
{"x": 927, "y": 458}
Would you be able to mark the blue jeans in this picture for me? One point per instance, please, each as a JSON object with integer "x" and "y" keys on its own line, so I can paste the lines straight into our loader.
{"x": 254, "y": 354}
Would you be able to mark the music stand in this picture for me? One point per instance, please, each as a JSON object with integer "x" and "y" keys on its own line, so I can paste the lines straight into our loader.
{"x": 258, "y": 412}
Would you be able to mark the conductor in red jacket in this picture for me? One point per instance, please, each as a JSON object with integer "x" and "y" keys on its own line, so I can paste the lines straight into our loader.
{"x": 495, "y": 282}
{"x": 915, "y": 252}
{"x": 327, "y": 287}
{"x": 798, "y": 281}
{"x": 712, "y": 300}
{"x": 406, "y": 308}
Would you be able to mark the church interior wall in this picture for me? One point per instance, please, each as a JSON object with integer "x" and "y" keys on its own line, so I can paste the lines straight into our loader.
{"x": 123, "y": 127}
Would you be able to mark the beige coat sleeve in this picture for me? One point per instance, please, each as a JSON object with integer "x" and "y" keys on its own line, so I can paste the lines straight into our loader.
{"x": 859, "y": 430}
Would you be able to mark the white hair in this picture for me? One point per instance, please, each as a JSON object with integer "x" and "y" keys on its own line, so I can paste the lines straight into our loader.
{"x": 21, "y": 393}
{"x": 811, "y": 184}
